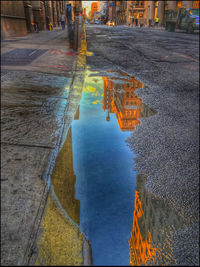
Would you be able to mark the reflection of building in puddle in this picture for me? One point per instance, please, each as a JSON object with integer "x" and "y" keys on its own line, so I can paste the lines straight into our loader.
{"x": 61, "y": 242}
{"x": 141, "y": 250}
{"x": 64, "y": 179}
{"x": 153, "y": 225}
{"x": 119, "y": 98}
{"x": 76, "y": 116}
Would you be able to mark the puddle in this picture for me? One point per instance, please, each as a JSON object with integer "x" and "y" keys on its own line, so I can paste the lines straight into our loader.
{"x": 64, "y": 179}
{"x": 151, "y": 241}
{"x": 93, "y": 181}
{"x": 61, "y": 242}
{"x": 105, "y": 181}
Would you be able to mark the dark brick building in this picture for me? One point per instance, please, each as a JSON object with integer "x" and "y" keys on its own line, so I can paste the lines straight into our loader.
{"x": 18, "y": 17}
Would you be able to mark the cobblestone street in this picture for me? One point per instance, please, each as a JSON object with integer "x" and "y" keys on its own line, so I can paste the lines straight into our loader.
{"x": 99, "y": 133}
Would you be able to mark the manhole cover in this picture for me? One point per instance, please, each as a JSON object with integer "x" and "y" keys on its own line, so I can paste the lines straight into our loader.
{"x": 20, "y": 57}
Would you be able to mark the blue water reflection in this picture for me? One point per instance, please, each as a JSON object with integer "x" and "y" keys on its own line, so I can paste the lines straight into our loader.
{"x": 105, "y": 180}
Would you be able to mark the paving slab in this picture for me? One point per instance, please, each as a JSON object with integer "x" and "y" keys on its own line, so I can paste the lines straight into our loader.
{"x": 31, "y": 120}
{"x": 37, "y": 83}
{"x": 59, "y": 58}
{"x": 22, "y": 193}
{"x": 35, "y": 98}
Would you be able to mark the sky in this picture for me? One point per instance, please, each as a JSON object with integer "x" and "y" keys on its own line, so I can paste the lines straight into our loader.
{"x": 87, "y": 5}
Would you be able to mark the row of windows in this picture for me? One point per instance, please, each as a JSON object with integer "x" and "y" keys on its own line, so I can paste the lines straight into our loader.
{"x": 129, "y": 112}
{"x": 128, "y": 123}
{"x": 131, "y": 103}
{"x": 132, "y": 94}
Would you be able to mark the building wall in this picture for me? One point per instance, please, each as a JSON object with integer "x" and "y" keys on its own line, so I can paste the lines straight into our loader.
{"x": 29, "y": 15}
{"x": 104, "y": 7}
{"x": 75, "y": 5}
{"x": 18, "y": 17}
{"x": 13, "y": 21}
{"x": 94, "y": 9}
{"x": 49, "y": 12}
{"x": 152, "y": 9}
{"x": 121, "y": 12}
{"x": 39, "y": 14}
{"x": 112, "y": 11}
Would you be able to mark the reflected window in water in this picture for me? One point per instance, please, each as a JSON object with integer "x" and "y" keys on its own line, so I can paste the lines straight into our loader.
{"x": 151, "y": 241}
{"x": 119, "y": 98}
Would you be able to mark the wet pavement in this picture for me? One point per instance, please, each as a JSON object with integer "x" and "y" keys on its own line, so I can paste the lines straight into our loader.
{"x": 93, "y": 181}
{"x": 165, "y": 145}
{"x": 97, "y": 189}
{"x": 105, "y": 180}
{"x": 103, "y": 172}
{"x": 38, "y": 102}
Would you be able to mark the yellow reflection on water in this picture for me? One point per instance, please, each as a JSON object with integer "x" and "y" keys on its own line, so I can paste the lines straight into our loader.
{"x": 61, "y": 242}
{"x": 64, "y": 179}
{"x": 92, "y": 86}
{"x": 89, "y": 54}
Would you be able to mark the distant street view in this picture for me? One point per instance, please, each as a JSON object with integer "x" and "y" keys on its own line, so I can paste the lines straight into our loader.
{"x": 99, "y": 133}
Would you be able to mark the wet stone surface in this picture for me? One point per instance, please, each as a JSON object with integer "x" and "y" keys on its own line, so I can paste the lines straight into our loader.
{"x": 26, "y": 120}
{"x": 34, "y": 105}
{"x": 37, "y": 83}
{"x": 22, "y": 189}
{"x": 33, "y": 108}
{"x": 61, "y": 242}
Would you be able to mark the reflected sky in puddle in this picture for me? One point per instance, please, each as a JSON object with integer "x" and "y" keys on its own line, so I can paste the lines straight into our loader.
{"x": 105, "y": 180}
{"x": 96, "y": 189}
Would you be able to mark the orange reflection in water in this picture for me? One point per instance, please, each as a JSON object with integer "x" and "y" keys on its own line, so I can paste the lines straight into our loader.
{"x": 119, "y": 98}
{"x": 141, "y": 250}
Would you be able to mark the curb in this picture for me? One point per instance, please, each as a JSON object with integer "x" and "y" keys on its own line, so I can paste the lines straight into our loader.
{"x": 76, "y": 85}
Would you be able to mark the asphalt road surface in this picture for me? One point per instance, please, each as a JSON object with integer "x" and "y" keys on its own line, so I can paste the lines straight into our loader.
{"x": 166, "y": 144}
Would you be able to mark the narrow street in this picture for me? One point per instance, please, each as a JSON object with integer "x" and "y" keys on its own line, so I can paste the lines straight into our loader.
{"x": 100, "y": 148}
{"x": 161, "y": 129}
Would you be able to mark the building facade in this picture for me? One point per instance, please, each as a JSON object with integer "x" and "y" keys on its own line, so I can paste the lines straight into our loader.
{"x": 145, "y": 12}
{"x": 76, "y": 7}
{"x": 18, "y": 17}
{"x": 94, "y": 9}
{"x": 13, "y": 20}
{"x": 121, "y": 12}
{"x": 103, "y": 6}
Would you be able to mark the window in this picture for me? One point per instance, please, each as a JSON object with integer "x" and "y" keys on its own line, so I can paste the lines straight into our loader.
{"x": 195, "y": 4}
{"x": 179, "y": 4}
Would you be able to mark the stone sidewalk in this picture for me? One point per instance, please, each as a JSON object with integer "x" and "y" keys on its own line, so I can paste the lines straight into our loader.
{"x": 41, "y": 83}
